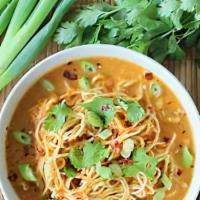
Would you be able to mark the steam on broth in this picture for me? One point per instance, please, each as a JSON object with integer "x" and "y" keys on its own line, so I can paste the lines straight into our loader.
{"x": 100, "y": 128}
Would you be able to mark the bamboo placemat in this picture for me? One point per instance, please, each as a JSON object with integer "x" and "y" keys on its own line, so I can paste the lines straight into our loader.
{"x": 186, "y": 70}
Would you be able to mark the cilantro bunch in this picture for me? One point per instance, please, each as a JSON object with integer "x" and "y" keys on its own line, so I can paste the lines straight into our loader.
{"x": 159, "y": 28}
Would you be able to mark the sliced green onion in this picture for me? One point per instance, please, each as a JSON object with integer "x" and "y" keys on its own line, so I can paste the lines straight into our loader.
{"x": 93, "y": 119}
{"x": 87, "y": 66}
{"x": 187, "y": 157}
{"x": 26, "y": 172}
{"x": 47, "y": 85}
{"x": 127, "y": 148}
{"x": 105, "y": 134}
{"x": 3, "y": 3}
{"x": 166, "y": 181}
{"x": 116, "y": 169}
{"x": 70, "y": 172}
{"x": 155, "y": 89}
{"x": 159, "y": 194}
{"x": 22, "y": 137}
{"x": 84, "y": 83}
{"x": 121, "y": 103}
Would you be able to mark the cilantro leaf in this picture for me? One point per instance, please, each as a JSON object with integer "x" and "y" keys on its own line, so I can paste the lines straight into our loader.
{"x": 188, "y": 5}
{"x": 91, "y": 154}
{"x": 57, "y": 116}
{"x": 94, "y": 153}
{"x": 103, "y": 107}
{"x": 76, "y": 158}
{"x": 142, "y": 163}
{"x": 104, "y": 172}
{"x": 69, "y": 171}
{"x": 66, "y": 33}
{"x": 135, "y": 112}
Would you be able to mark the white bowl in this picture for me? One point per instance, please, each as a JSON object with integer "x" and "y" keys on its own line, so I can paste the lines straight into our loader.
{"x": 90, "y": 51}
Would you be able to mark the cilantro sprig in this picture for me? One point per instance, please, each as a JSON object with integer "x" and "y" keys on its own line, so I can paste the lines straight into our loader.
{"x": 56, "y": 118}
{"x": 156, "y": 28}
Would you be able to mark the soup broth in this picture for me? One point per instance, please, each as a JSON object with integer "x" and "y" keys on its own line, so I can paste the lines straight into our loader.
{"x": 142, "y": 117}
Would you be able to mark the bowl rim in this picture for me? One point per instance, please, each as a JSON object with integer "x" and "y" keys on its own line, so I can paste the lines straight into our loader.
{"x": 93, "y": 50}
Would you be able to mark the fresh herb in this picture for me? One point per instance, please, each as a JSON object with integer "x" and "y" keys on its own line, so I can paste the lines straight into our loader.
{"x": 142, "y": 163}
{"x": 57, "y": 116}
{"x": 104, "y": 172}
{"x": 70, "y": 172}
{"x": 26, "y": 172}
{"x": 166, "y": 181}
{"x": 156, "y": 28}
{"x": 116, "y": 169}
{"x": 91, "y": 154}
{"x": 22, "y": 137}
{"x": 135, "y": 112}
{"x": 159, "y": 194}
{"x": 103, "y": 107}
{"x": 84, "y": 83}
{"x": 93, "y": 119}
{"x": 187, "y": 158}
{"x": 87, "y": 66}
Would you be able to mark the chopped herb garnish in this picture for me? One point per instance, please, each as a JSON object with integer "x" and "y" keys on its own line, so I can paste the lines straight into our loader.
{"x": 26, "y": 172}
{"x": 155, "y": 89}
{"x": 116, "y": 169}
{"x": 91, "y": 154}
{"x": 105, "y": 134}
{"x": 57, "y": 116}
{"x": 159, "y": 194}
{"x": 93, "y": 119}
{"x": 70, "y": 172}
{"x": 87, "y": 66}
{"x": 22, "y": 137}
{"x": 141, "y": 163}
{"x": 47, "y": 85}
{"x": 103, "y": 107}
{"x": 104, "y": 172}
{"x": 84, "y": 83}
{"x": 135, "y": 112}
{"x": 187, "y": 158}
{"x": 166, "y": 181}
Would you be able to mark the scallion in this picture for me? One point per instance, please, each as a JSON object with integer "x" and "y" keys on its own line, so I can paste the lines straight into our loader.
{"x": 26, "y": 172}
{"x": 22, "y": 137}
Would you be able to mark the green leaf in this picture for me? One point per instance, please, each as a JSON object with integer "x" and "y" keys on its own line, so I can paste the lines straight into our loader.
{"x": 26, "y": 172}
{"x": 57, "y": 116}
{"x": 76, "y": 158}
{"x": 94, "y": 153}
{"x": 104, "y": 172}
{"x": 166, "y": 181}
{"x": 103, "y": 107}
{"x": 70, "y": 172}
{"x": 167, "y": 7}
{"x": 91, "y": 154}
{"x": 160, "y": 194}
{"x": 105, "y": 134}
{"x": 66, "y": 33}
{"x": 135, "y": 112}
{"x": 93, "y": 119}
{"x": 142, "y": 163}
{"x": 188, "y": 5}
{"x": 116, "y": 169}
{"x": 187, "y": 158}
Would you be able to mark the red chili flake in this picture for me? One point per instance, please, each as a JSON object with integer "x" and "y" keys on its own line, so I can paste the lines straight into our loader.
{"x": 105, "y": 108}
{"x": 70, "y": 75}
{"x": 179, "y": 172}
{"x": 128, "y": 124}
{"x": 180, "y": 145}
{"x": 116, "y": 145}
{"x": 115, "y": 131}
{"x": 125, "y": 161}
{"x": 13, "y": 177}
{"x": 184, "y": 131}
{"x": 69, "y": 63}
{"x": 148, "y": 76}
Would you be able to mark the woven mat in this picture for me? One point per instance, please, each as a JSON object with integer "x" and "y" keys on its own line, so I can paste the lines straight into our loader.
{"x": 186, "y": 70}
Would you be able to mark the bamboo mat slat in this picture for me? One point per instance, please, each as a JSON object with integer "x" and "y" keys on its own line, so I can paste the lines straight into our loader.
{"x": 186, "y": 70}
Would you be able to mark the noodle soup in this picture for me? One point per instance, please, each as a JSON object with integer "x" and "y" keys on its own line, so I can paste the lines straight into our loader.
{"x": 100, "y": 128}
